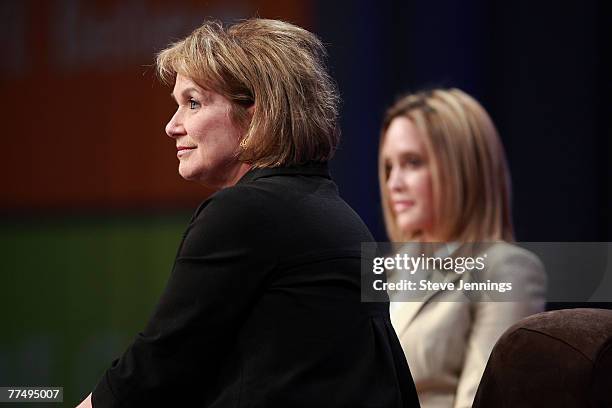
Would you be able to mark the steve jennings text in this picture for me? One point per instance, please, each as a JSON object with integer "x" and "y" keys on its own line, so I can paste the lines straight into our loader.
{"x": 426, "y": 285}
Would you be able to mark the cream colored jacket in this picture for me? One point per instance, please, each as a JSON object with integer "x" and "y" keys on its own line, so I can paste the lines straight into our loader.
{"x": 447, "y": 344}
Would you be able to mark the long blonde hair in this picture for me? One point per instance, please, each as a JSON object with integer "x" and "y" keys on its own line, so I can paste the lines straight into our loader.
{"x": 470, "y": 177}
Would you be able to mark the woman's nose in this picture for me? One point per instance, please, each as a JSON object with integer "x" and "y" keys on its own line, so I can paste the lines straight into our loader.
{"x": 174, "y": 128}
{"x": 395, "y": 182}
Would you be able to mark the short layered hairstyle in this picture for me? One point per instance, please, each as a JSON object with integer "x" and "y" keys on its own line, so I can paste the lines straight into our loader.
{"x": 275, "y": 75}
{"x": 470, "y": 177}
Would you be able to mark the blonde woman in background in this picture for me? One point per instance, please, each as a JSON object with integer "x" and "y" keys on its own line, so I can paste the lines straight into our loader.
{"x": 444, "y": 178}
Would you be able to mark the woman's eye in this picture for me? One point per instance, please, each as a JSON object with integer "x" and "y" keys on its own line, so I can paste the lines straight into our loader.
{"x": 414, "y": 162}
{"x": 387, "y": 171}
{"x": 193, "y": 104}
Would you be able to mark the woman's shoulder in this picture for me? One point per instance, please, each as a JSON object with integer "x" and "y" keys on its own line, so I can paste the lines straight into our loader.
{"x": 500, "y": 253}
{"x": 230, "y": 218}
{"x": 236, "y": 210}
{"x": 512, "y": 262}
{"x": 239, "y": 199}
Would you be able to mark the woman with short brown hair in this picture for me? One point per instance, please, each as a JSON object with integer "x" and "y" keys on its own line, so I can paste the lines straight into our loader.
{"x": 280, "y": 66}
{"x": 263, "y": 304}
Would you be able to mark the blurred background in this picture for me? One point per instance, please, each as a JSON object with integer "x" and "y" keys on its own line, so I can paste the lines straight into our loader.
{"x": 93, "y": 208}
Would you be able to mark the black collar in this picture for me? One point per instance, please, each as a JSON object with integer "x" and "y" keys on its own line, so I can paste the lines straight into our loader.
{"x": 309, "y": 169}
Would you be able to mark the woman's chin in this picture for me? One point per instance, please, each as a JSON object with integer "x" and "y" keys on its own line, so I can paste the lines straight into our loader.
{"x": 201, "y": 179}
{"x": 407, "y": 225}
{"x": 188, "y": 173}
{"x": 186, "y": 176}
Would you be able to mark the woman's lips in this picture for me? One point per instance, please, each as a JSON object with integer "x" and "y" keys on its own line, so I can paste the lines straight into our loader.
{"x": 402, "y": 205}
{"x": 182, "y": 150}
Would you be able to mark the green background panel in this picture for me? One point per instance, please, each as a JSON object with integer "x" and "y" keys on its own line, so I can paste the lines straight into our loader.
{"x": 75, "y": 291}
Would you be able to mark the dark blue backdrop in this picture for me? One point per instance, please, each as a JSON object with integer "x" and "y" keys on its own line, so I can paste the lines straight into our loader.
{"x": 542, "y": 71}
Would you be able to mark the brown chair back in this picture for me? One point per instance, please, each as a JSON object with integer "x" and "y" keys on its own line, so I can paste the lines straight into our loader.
{"x": 561, "y": 358}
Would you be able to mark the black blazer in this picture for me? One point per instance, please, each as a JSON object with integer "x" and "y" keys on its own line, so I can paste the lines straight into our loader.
{"x": 262, "y": 308}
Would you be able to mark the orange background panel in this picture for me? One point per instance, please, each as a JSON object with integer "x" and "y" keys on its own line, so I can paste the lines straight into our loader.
{"x": 84, "y": 114}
